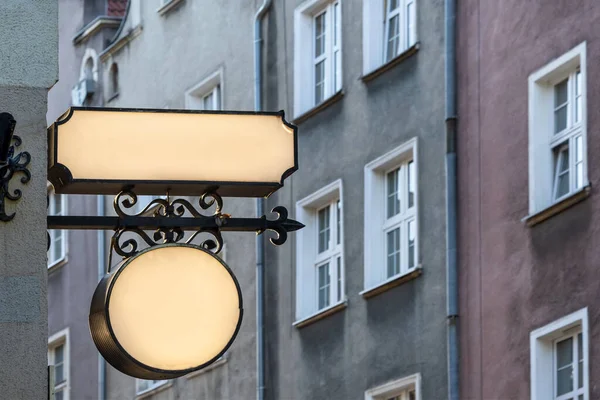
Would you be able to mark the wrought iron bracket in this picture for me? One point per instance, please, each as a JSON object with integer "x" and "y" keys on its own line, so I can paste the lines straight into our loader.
{"x": 170, "y": 219}
{"x": 11, "y": 164}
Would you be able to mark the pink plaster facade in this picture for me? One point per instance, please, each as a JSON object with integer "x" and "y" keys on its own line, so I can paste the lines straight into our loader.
{"x": 514, "y": 278}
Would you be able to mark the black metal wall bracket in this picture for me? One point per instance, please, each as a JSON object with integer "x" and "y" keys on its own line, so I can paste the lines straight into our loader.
{"x": 170, "y": 219}
{"x": 11, "y": 164}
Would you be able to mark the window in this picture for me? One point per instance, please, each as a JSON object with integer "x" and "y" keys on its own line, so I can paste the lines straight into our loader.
{"x": 143, "y": 386}
{"x": 402, "y": 389}
{"x": 390, "y": 29}
{"x": 317, "y": 53}
{"x": 557, "y": 130}
{"x": 391, "y": 217}
{"x": 320, "y": 264}
{"x": 114, "y": 80}
{"x": 559, "y": 359}
{"x": 207, "y": 94}
{"x": 57, "y": 205}
{"x": 58, "y": 356}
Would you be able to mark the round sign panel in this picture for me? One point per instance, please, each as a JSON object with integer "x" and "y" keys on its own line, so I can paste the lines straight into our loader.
{"x": 165, "y": 312}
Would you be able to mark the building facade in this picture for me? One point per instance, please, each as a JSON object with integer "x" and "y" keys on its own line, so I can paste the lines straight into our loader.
{"x": 528, "y": 105}
{"x": 354, "y": 304}
{"x": 356, "y": 308}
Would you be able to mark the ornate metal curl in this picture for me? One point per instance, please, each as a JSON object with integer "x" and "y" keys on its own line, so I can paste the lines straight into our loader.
{"x": 130, "y": 246}
{"x": 166, "y": 208}
{"x": 281, "y": 225}
{"x": 14, "y": 165}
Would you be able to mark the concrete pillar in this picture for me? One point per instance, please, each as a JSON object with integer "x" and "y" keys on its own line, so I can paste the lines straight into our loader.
{"x": 28, "y": 68}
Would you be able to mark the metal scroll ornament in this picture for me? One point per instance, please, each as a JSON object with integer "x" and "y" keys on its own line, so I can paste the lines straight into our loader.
{"x": 14, "y": 165}
{"x": 127, "y": 246}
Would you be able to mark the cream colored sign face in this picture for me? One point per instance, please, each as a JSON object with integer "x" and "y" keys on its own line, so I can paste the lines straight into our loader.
{"x": 174, "y": 308}
{"x": 171, "y": 146}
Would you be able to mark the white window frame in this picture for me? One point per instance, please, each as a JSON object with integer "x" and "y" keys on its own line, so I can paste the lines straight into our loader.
{"x": 375, "y": 30}
{"x": 54, "y": 261}
{"x": 304, "y": 53}
{"x": 308, "y": 258}
{"x": 376, "y": 223}
{"x": 61, "y": 338}
{"x": 396, "y": 388}
{"x": 542, "y": 343}
{"x": 140, "y": 391}
{"x": 542, "y": 139}
{"x": 212, "y": 84}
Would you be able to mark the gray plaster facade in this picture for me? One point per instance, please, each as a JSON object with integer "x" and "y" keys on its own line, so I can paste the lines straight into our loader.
{"x": 162, "y": 57}
{"x": 29, "y": 54}
{"x": 402, "y": 330}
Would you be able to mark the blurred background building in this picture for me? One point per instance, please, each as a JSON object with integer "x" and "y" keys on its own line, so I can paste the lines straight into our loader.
{"x": 354, "y": 304}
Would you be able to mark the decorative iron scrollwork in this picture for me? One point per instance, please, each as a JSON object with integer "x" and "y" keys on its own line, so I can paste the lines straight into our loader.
{"x": 282, "y": 225}
{"x": 166, "y": 208}
{"x": 15, "y": 164}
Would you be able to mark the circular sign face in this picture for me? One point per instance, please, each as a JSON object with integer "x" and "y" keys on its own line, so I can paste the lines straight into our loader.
{"x": 165, "y": 312}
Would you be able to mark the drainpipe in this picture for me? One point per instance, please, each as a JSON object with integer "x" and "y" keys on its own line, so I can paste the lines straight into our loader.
{"x": 451, "y": 206}
{"x": 101, "y": 269}
{"x": 260, "y": 206}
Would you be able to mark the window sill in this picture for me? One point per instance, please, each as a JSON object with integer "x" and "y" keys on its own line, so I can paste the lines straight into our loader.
{"x": 556, "y": 208}
{"x": 57, "y": 265}
{"x": 319, "y": 107}
{"x": 319, "y": 315}
{"x": 216, "y": 364}
{"x": 392, "y": 63}
{"x": 168, "y": 6}
{"x": 391, "y": 283}
{"x": 111, "y": 98}
{"x": 154, "y": 390}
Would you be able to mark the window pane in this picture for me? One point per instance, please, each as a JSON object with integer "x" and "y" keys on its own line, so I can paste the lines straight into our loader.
{"x": 59, "y": 354}
{"x": 57, "y": 200}
{"x": 564, "y": 364}
{"x": 561, "y": 91}
{"x": 580, "y": 356}
{"x": 393, "y": 194}
{"x": 393, "y": 252}
{"x": 320, "y": 35}
{"x": 339, "y": 221}
{"x": 324, "y": 230}
{"x": 319, "y": 82}
{"x": 217, "y": 100}
{"x": 411, "y": 184}
{"x": 560, "y": 106}
{"x": 411, "y": 243}
{"x": 59, "y": 395}
{"x": 560, "y": 119}
{"x": 339, "y": 279}
{"x": 579, "y": 161}
{"x": 393, "y": 5}
{"x": 562, "y": 172}
{"x": 412, "y": 395}
{"x": 323, "y": 283}
{"x": 393, "y": 37}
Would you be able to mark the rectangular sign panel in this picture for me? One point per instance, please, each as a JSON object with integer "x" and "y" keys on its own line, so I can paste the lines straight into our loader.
{"x": 104, "y": 150}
